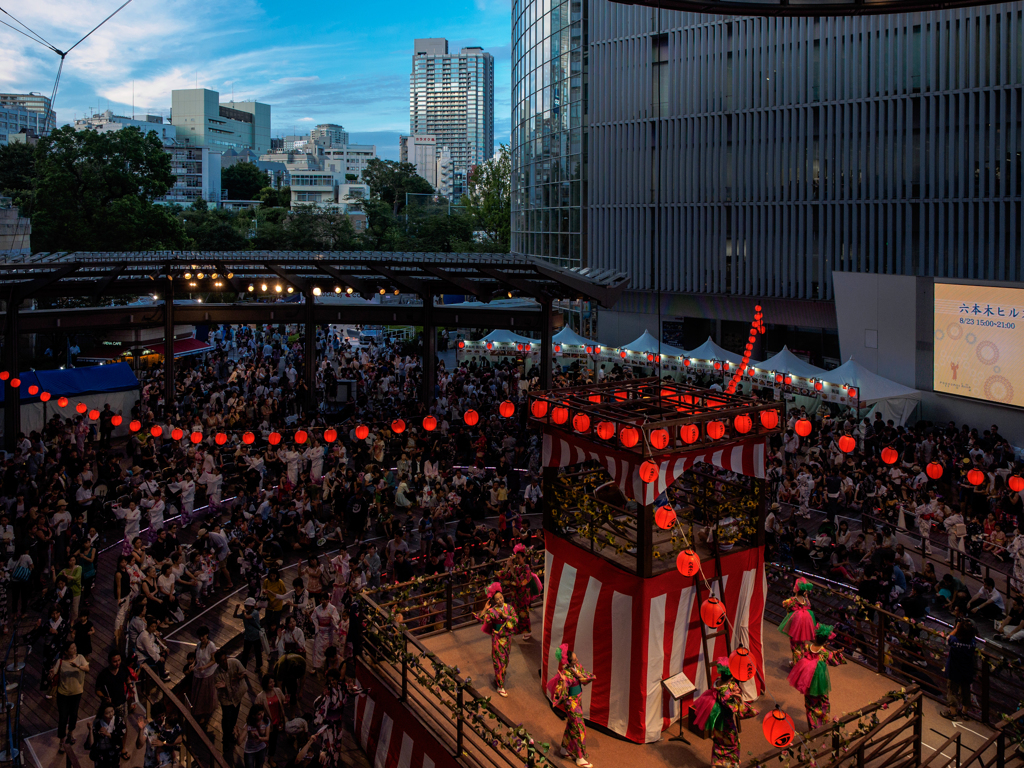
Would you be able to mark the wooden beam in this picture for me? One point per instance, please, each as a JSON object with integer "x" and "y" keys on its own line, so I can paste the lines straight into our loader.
{"x": 104, "y": 282}
{"x": 358, "y": 285}
{"x": 467, "y": 286}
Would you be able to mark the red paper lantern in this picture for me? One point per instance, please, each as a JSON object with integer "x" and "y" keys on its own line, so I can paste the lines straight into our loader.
{"x": 135, "y": 425}
{"x": 769, "y": 419}
{"x": 712, "y": 612}
{"x": 778, "y": 728}
{"x": 778, "y": 378}
{"x": 606, "y": 430}
{"x": 659, "y": 439}
{"x": 689, "y": 433}
{"x": 44, "y": 396}
{"x": 818, "y": 385}
{"x": 716, "y": 430}
{"x": 741, "y": 664}
{"x": 847, "y": 443}
{"x": 5, "y": 375}
{"x": 788, "y": 380}
{"x": 156, "y": 430}
{"x": 301, "y": 436}
{"x": 462, "y": 344}
{"x": 490, "y": 345}
{"x": 743, "y": 423}
{"x": 622, "y": 354}
{"x": 15, "y": 383}
{"x": 62, "y": 402}
{"x": 649, "y": 471}
{"x": 33, "y": 389}
{"x": 933, "y": 470}
{"x": 803, "y": 427}
{"x": 590, "y": 350}
{"x": 81, "y": 407}
{"x": 94, "y": 414}
{"x": 362, "y": 432}
{"x": 688, "y": 562}
{"x": 853, "y": 392}
{"x": 581, "y": 422}
{"x": 628, "y": 436}
{"x": 559, "y": 414}
{"x": 539, "y": 409}
{"x": 686, "y": 362}
{"x": 398, "y": 426}
{"x": 177, "y": 433}
{"x": 116, "y": 420}
{"x": 594, "y": 398}
{"x": 665, "y": 517}
{"x": 1016, "y": 483}
{"x": 507, "y": 408}
{"x": 975, "y": 477}
{"x": 558, "y": 349}
{"x": 429, "y": 423}
{"x": 471, "y": 417}
{"x": 890, "y": 455}
{"x": 718, "y": 366}
{"x": 196, "y": 437}
{"x": 622, "y": 396}
{"x": 519, "y": 347}
{"x": 248, "y": 438}
{"x": 220, "y": 439}
{"x": 274, "y": 438}
{"x": 330, "y": 435}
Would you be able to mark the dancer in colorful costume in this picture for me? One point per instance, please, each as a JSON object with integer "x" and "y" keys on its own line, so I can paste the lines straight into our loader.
{"x": 799, "y": 623}
{"x": 718, "y": 711}
{"x": 325, "y": 620}
{"x": 566, "y": 690}
{"x": 810, "y": 676}
{"x": 500, "y": 623}
{"x": 515, "y": 580}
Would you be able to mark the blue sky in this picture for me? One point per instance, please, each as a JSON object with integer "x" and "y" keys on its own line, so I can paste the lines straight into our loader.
{"x": 344, "y": 63}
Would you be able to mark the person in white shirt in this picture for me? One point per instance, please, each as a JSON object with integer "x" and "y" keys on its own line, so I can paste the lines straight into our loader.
{"x": 156, "y": 508}
{"x": 61, "y": 518}
{"x": 186, "y": 488}
{"x": 152, "y": 650}
{"x": 988, "y": 603}
{"x": 213, "y": 480}
{"x": 532, "y": 496}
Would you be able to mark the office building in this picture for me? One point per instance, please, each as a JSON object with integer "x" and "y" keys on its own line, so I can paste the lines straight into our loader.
{"x": 726, "y": 160}
{"x": 330, "y": 135}
{"x": 25, "y": 112}
{"x": 451, "y": 97}
{"x": 199, "y": 117}
{"x": 348, "y": 159}
{"x": 196, "y": 168}
{"x": 445, "y": 173}
{"x": 421, "y": 151}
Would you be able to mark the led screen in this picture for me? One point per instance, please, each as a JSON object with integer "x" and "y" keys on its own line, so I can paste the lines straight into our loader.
{"x": 979, "y": 340}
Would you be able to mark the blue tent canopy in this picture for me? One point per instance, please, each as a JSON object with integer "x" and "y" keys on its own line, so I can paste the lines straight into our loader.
{"x": 117, "y": 377}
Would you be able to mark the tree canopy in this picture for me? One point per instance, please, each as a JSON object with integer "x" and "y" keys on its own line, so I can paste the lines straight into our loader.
{"x": 243, "y": 181}
{"x": 390, "y": 181}
{"x": 489, "y": 201}
{"x": 96, "y": 191}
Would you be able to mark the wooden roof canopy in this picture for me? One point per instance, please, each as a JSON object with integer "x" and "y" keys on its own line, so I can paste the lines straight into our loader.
{"x": 807, "y": 8}
{"x": 485, "y": 276}
{"x": 688, "y": 415}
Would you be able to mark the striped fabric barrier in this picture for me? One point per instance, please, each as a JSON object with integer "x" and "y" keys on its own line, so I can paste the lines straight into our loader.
{"x": 562, "y": 450}
{"x": 390, "y": 735}
{"x": 633, "y": 633}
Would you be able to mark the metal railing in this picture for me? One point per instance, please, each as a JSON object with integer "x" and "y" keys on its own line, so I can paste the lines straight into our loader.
{"x": 875, "y": 735}
{"x": 459, "y": 716}
{"x": 1000, "y": 750}
{"x": 12, "y": 667}
{"x": 900, "y": 648}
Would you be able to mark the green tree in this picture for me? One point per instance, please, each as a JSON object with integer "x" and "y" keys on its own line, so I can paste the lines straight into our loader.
{"x": 311, "y": 228}
{"x": 97, "y": 191}
{"x": 243, "y": 181}
{"x": 489, "y": 201}
{"x": 275, "y": 198}
{"x": 390, "y": 182}
{"x": 17, "y": 175}
{"x": 214, "y": 230}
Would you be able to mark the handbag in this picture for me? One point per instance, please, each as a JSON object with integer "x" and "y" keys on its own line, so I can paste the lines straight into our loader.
{"x": 21, "y": 573}
{"x": 264, "y": 641}
{"x": 52, "y": 677}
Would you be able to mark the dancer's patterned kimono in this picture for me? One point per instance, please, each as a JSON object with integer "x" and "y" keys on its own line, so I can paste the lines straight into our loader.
{"x": 515, "y": 580}
{"x": 566, "y": 690}
{"x": 810, "y": 676}
{"x": 500, "y": 623}
{"x": 329, "y": 711}
{"x": 799, "y": 623}
{"x": 325, "y": 621}
{"x": 718, "y": 712}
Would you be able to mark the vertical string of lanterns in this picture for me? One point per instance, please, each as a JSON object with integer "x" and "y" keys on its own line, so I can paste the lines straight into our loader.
{"x": 756, "y": 327}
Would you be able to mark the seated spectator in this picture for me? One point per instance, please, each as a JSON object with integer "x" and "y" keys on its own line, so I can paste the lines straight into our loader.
{"x": 987, "y": 604}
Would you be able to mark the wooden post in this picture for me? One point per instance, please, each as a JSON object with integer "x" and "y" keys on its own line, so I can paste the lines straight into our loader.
{"x": 546, "y": 353}
{"x": 169, "y": 391}
{"x": 458, "y": 724}
{"x": 986, "y": 685}
{"x": 918, "y": 728}
{"x": 405, "y": 667}
{"x": 309, "y": 360}
{"x": 12, "y": 397}
{"x": 645, "y": 541}
{"x": 448, "y": 599}
{"x": 881, "y": 642}
{"x": 429, "y": 350}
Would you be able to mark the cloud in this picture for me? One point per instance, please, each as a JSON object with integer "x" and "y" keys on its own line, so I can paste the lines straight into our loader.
{"x": 305, "y": 119}
{"x": 292, "y": 80}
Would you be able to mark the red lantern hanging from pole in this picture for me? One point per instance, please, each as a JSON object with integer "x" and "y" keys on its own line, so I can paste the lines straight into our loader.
{"x": 539, "y": 409}
{"x": 649, "y": 471}
{"x": 606, "y": 430}
{"x": 362, "y": 432}
{"x": 220, "y": 439}
{"x": 688, "y": 562}
{"x": 659, "y": 439}
{"x": 581, "y": 422}
{"x": 1016, "y": 483}
{"x": 15, "y": 383}
{"x": 62, "y": 402}
{"x": 847, "y": 443}
{"x": 689, "y": 433}
{"x": 628, "y": 436}
{"x": 507, "y": 408}
{"x": 116, "y": 420}
{"x": 429, "y": 423}
{"x": 743, "y": 423}
{"x": 33, "y": 389}
{"x": 716, "y": 430}
{"x": 135, "y": 425}
{"x": 94, "y": 414}
{"x": 398, "y": 426}
{"x": 933, "y": 470}
{"x": 741, "y": 664}
{"x": 769, "y": 419}
{"x": 890, "y": 455}
{"x": 975, "y": 477}
{"x": 196, "y": 437}
{"x": 803, "y": 427}
{"x": 665, "y": 517}
{"x": 559, "y": 414}
{"x": 44, "y": 396}
{"x": 177, "y": 433}
{"x": 273, "y": 438}
{"x": 156, "y": 430}
{"x": 248, "y": 438}
{"x": 471, "y": 417}
{"x": 301, "y": 436}
{"x": 712, "y": 612}
{"x": 81, "y": 407}
{"x": 778, "y": 728}
{"x": 330, "y": 435}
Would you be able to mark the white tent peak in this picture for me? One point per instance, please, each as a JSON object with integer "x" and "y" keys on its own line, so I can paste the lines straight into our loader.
{"x": 502, "y": 336}
{"x": 786, "y": 362}
{"x": 568, "y": 336}
{"x": 648, "y": 344}
{"x": 711, "y": 351}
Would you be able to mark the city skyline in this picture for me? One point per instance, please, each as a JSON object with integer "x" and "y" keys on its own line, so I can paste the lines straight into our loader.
{"x": 359, "y": 80}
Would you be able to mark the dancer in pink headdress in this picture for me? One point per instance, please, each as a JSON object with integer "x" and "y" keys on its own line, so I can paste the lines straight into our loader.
{"x": 718, "y": 712}
{"x": 799, "y": 623}
{"x": 566, "y": 689}
{"x": 500, "y": 623}
{"x": 515, "y": 580}
{"x": 810, "y": 676}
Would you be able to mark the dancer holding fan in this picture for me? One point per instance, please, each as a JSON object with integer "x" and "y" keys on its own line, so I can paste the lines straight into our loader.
{"x": 566, "y": 690}
{"x": 500, "y": 623}
{"x": 810, "y": 676}
{"x": 515, "y": 580}
{"x": 719, "y": 710}
{"x": 799, "y": 623}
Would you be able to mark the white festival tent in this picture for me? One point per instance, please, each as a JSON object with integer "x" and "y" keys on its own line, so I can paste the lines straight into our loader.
{"x": 711, "y": 351}
{"x": 892, "y": 399}
{"x": 569, "y": 337}
{"x": 502, "y": 336}
{"x": 786, "y": 362}
{"x": 647, "y": 344}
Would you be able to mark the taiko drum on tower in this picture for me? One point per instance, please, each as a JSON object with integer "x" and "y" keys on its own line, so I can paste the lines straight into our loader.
{"x": 636, "y": 543}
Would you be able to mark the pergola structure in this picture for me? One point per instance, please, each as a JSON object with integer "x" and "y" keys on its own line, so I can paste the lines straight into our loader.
{"x": 262, "y": 280}
{"x": 813, "y": 8}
